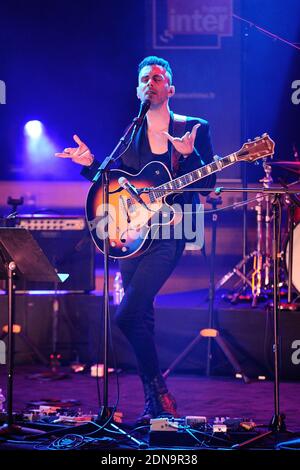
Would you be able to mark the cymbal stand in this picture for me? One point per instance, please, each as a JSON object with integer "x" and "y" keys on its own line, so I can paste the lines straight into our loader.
{"x": 267, "y": 181}
{"x": 258, "y": 265}
{"x": 258, "y": 257}
{"x": 260, "y": 272}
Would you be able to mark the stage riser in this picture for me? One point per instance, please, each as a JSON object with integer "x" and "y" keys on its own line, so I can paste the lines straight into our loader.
{"x": 80, "y": 332}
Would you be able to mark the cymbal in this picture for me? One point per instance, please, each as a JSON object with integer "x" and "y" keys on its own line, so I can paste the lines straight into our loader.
{"x": 291, "y": 166}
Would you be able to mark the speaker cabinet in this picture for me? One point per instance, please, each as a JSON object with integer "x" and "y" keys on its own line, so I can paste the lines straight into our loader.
{"x": 45, "y": 319}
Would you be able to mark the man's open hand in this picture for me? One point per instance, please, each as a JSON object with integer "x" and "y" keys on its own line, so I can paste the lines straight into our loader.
{"x": 80, "y": 154}
{"x": 185, "y": 144}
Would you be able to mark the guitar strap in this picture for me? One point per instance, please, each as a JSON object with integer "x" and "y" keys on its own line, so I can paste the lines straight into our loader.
{"x": 179, "y": 124}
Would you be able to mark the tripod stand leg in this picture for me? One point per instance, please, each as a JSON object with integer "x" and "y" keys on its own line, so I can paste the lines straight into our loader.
{"x": 235, "y": 270}
{"x": 233, "y": 361}
{"x": 32, "y": 346}
{"x": 250, "y": 441}
{"x": 209, "y": 333}
{"x": 182, "y": 355}
{"x": 276, "y": 426}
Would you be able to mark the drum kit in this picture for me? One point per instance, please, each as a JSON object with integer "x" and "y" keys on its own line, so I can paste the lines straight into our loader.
{"x": 259, "y": 279}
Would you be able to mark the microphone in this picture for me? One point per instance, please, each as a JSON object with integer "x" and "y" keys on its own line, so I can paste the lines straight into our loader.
{"x": 131, "y": 189}
{"x": 144, "y": 108}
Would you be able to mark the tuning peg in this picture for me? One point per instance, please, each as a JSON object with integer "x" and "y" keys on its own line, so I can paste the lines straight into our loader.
{"x": 257, "y": 138}
{"x": 248, "y": 140}
{"x": 264, "y": 134}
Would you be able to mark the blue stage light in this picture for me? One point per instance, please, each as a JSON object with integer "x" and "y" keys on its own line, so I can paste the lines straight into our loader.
{"x": 33, "y": 129}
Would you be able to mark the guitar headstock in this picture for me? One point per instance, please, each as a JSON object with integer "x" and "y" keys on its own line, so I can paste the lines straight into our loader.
{"x": 258, "y": 148}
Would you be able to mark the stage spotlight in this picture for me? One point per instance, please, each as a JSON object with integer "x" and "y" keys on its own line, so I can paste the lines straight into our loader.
{"x": 33, "y": 129}
{"x": 38, "y": 147}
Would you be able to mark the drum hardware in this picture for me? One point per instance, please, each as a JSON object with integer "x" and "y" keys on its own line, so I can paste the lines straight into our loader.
{"x": 267, "y": 181}
{"x": 277, "y": 424}
{"x": 258, "y": 265}
{"x": 259, "y": 273}
{"x": 258, "y": 277}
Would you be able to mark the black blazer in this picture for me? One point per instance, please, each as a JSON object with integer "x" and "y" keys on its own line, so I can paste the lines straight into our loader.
{"x": 132, "y": 161}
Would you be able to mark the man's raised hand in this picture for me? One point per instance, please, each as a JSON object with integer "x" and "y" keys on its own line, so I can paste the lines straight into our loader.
{"x": 81, "y": 154}
{"x": 184, "y": 144}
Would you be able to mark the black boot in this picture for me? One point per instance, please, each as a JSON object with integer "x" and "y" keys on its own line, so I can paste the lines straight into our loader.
{"x": 165, "y": 404}
{"x": 150, "y": 403}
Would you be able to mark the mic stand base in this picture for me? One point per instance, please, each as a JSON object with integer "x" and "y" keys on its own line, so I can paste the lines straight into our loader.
{"x": 105, "y": 419}
{"x": 105, "y": 413}
{"x": 276, "y": 427}
{"x": 277, "y": 423}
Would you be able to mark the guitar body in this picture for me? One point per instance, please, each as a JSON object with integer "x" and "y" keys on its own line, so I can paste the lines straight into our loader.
{"x": 131, "y": 226}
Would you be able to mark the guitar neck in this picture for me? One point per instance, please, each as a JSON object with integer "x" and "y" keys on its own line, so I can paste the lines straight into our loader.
{"x": 193, "y": 176}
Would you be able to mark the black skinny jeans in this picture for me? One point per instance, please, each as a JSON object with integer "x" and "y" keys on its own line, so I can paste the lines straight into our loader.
{"x": 143, "y": 277}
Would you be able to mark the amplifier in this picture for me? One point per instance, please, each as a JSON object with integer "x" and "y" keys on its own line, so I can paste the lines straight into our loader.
{"x": 51, "y": 223}
{"x": 67, "y": 244}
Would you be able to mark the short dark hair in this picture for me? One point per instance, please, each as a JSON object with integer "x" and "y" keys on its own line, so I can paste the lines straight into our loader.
{"x": 154, "y": 60}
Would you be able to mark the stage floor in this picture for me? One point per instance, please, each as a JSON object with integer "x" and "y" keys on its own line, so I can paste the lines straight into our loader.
{"x": 196, "y": 396}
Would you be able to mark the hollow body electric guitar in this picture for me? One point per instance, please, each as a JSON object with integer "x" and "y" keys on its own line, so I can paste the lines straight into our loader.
{"x": 140, "y": 204}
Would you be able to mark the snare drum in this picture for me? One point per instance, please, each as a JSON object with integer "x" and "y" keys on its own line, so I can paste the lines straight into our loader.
{"x": 296, "y": 257}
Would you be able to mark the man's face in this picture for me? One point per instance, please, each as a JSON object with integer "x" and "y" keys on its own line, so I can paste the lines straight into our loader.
{"x": 154, "y": 84}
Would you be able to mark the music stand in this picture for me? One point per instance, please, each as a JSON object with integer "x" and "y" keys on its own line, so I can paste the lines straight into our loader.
{"x": 20, "y": 257}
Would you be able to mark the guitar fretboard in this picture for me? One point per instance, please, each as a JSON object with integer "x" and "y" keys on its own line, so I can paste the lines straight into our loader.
{"x": 193, "y": 176}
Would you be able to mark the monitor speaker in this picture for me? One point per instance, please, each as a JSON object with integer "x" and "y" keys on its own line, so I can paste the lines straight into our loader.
{"x": 67, "y": 244}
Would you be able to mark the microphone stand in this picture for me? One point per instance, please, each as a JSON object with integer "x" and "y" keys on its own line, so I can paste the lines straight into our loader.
{"x": 103, "y": 172}
{"x": 105, "y": 414}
